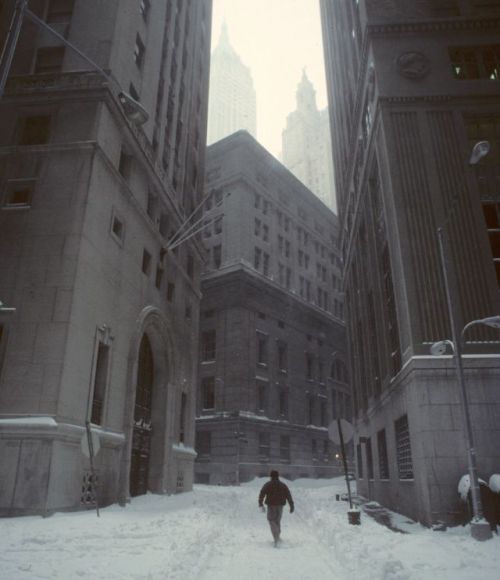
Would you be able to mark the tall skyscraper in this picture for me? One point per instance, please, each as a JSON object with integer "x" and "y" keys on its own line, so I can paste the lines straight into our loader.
{"x": 272, "y": 346}
{"x": 306, "y": 144}
{"x": 107, "y": 315}
{"x": 413, "y": 86}
{"x": 232, "y": 102}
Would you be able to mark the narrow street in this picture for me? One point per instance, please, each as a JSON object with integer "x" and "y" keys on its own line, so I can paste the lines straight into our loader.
{"x": 218, "y": 533}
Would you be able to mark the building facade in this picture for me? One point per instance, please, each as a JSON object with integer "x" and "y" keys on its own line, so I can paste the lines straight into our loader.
{"x": 412, "y": 87}
{"x": 232, "y": 102}
{"x": 106, "y": 322}
{"x": 307, "y": 151}
{"x": 272, "y": 346}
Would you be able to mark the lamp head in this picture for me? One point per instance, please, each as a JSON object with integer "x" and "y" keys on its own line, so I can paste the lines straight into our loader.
{"x": 480, "y": 150}
{"x": 493, "y": 321}
{"x": 133, "y": 109}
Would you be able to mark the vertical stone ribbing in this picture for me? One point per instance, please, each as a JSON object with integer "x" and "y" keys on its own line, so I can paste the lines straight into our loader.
{"x": 420, "y": 234}
{"x": 463, "y": 242}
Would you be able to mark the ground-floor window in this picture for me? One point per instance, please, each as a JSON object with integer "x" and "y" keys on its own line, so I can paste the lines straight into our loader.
{"x": 403, "y": 448}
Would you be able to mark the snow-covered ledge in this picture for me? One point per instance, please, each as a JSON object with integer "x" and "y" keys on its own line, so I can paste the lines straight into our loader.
{"x": 48, "y": 427}
{"x": 181, "y": 449}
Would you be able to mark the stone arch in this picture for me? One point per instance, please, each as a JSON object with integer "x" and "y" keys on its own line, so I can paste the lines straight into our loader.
{"x": 153, "y": 325}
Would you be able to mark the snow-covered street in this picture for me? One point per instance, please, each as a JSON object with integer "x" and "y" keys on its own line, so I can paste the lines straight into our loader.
{"x": 218, "y": 533}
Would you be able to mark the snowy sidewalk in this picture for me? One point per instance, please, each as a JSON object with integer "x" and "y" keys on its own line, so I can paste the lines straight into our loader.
{"x": 218, "y": 533}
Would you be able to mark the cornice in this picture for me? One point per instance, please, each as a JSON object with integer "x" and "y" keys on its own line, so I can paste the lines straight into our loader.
{"x": 433, "y": 26}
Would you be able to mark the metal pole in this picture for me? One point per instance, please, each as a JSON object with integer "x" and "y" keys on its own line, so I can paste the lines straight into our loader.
{"x": 479, "y": 527}
{"x": 9, "y": 47}
{"x": 344, "y": 461}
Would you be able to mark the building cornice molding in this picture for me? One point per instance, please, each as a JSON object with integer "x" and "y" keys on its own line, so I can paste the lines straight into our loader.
{"x": 454, "y": 25}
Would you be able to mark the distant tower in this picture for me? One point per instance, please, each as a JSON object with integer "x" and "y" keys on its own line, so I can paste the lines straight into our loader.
{"x": 306, "y": 144}
{"x": 232, "y": 101}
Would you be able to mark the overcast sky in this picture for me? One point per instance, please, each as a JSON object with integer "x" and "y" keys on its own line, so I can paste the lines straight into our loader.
{"x": 276, "y": 39}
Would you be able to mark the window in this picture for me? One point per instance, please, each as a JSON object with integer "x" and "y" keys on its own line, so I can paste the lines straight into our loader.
{"x": 217, "y": 254}
{"x": 125, "y": 165}
{"x": 146, "y": 262}
{"x": 309, "y": 367}
{"x": 285, "y": 448}
{"x": 491, "y": 213}
{"x": 117, "y": 228}
{"x": 257, "y": 258}
{"x": 283, "y": 403}
{"x": 383, "y": 461}
{"x": 288, "y": 280}
{"x": 261, "y": 348}
{"x": 265, "y": 267}
{"x": 159, "y": 276}
{"x": 101, "y": 374}
{"x": 132, "y": 91}
{"x": 326, "y": 450}
{"x": 35, "y": 130}
{"x": 60, "y": 10}
{"x": 208, "y": 393}
{"x": 182, "y": 418}
{"x": 323, "y": 414}
{"x": 314, "y": 449}
{"x": 19, "y": 193}
{"x": 359, "y": 457}
{"x": 261, "y": 396}
{"x": 310, "y": 410}
{"x": 282, "y": 355}
{"x": 139, "y": 51}
{"x": 475, "y": 62}
{"x": 264, "y": 445}
{"x": 321, "y": 377}
{"x": 152, "y": 204}
{"x": 203, "y": 443}
{"x": 257, "y": 225}
{"x": 170, "y": 291}
{"x": 49, "y": 60}
{"x": 218, "y": 225}
{"x": 369, "y": 458}
{"x": 403, "y": 448}
{"x": 334, "y": 404}
{"x": 208, "y": 345}
{"x": 265, "y": 233}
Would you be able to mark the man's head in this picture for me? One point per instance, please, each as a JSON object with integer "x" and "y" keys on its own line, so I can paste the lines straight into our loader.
{"x": 274, "y": 474}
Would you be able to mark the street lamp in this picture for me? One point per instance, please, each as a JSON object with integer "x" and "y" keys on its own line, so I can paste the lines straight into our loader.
{"x": 480, "y": 529}
{"x": 133, "y": 110}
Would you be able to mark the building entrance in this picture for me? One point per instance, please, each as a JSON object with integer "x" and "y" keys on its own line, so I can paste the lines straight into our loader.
{"x": 141, "y": 436}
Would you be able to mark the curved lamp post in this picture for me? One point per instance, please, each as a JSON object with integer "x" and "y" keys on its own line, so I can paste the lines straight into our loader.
{"x": 480, "y": 529}
{"x": 133, "y": 110}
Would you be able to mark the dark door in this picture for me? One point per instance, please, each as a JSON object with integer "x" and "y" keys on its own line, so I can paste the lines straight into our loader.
{"x": 141, "y": 437}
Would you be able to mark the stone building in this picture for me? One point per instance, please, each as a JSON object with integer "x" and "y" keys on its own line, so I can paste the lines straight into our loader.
{"x": 272, "y": 346}
{"x": 232, "y": 103}
{"x": 106, "y": 324}
{"x": 307, "y": 150}
{"x": 412, "y": 87}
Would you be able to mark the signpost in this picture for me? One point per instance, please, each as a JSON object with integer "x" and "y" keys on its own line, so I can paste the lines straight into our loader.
{"x": 341, "y": 432}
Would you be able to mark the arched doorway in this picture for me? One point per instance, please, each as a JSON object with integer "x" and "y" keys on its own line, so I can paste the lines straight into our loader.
{"x": 141, "y": 436}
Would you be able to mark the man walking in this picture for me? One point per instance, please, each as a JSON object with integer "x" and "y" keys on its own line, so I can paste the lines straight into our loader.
{"x": 276, "y": 494}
